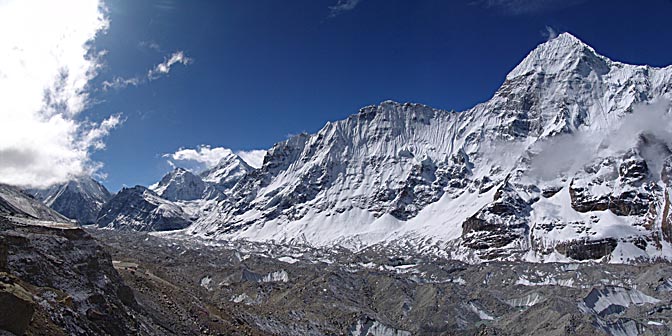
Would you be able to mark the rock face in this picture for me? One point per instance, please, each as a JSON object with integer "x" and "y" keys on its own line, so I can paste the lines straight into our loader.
{"x": 79, "y": 199}
{"x": 16, "y": 306}
{"x": 140, "y": 209}
{"x": 507, "y": 179}
{"x": 182, "y": 185}
{"x": 15, "y": 202}
{"x": 55, "y": 279}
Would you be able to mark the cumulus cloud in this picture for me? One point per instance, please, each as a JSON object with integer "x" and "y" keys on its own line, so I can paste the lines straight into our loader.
{"x": 47, "y": 63}
{"x": 342, "y": 6}
{"x": 521, "y": 7}
{"x": 205, "y": 157}
{"x": 154, "y": 73}
{"x": 254, "y": 158}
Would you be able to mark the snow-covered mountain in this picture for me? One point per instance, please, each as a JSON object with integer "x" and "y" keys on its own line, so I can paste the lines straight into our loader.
{"x": 568, "y": 160}
{"x": 182, "y": 185}
{"x": 15, "y": 202}
{"x": 230, "y": 169}
{"x": 140, "y": 209}
{"x": 79, "y": 199}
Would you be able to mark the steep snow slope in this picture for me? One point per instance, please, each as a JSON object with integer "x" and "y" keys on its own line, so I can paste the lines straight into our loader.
{"x": 140, "y": 209}
{"x": 188, "y": 191}
{"x": 230, "y": 169}
{"x": 548, "y": 169}
{"x": 79, "y": 199}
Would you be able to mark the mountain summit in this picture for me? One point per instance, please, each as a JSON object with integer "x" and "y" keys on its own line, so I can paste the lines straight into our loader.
{"x": 79, "y": 199}
{"x": 561, "y": 54}
{"x": 569, "y": 160}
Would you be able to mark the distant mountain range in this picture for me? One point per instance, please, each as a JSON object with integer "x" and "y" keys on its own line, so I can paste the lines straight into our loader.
{"x": 80, "y": 199}
{"x": 569, "y": 160}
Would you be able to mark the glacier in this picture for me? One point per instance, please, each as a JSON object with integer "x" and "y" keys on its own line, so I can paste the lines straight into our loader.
{"x": 570, "y": 160}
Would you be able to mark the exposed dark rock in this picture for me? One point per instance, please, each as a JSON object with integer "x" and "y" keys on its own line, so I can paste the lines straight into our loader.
{"x": 497, "y": 224}
{"x": 3, "y": 254}
{"x": 549, "y": 192}
{"x": 16, "y": 305}
{"x": 587, "y": 249}
{"x": 635, "y": 202}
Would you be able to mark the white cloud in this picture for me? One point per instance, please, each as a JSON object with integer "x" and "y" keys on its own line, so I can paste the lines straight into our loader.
{"x": 571, "y": 152}
{"x": 254, "y": 158}
{"x": 164, "y": 68}
{"x": 120, "y": 83}
{"x": 342, "y": 6}
{"x": 46, "y": 63}
{"x": 154, "y": 73}
{"x": 550, "y": 33}
{"x": 205, "y": 157}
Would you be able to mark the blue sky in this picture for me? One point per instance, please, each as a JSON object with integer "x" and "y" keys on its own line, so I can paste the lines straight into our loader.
{"x": 253, "y": 72}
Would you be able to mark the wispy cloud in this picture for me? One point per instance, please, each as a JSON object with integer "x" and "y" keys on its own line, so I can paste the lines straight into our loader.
{"x": 550, "y": 33}
{"x": 162, "y": 69}
{"x": 342, "y": 6}
{"x": 571, "y": 152}
{"x": 150, "y": 45}
{"x": 154, "y": 73}
{"x": 522, "y": 7}
{"x": 47, "y": 65}
{"x": 165, "y": 5}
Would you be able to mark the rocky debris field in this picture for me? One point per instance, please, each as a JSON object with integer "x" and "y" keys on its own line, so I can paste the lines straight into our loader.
{"x": 188, "y": 287}
{"x": 56, "y": 279}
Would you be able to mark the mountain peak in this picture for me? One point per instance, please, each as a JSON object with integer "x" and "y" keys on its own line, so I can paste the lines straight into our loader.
{"x": 563, "y": 53}
{"x": 227, "y": 172}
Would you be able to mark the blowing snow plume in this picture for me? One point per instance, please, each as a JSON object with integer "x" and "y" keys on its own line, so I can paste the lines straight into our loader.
{"x": 647, "y": 128}
{"x": 46, "y": 64}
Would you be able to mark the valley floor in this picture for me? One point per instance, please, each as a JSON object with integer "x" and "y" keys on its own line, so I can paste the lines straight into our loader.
{"x": 257, "y": 289}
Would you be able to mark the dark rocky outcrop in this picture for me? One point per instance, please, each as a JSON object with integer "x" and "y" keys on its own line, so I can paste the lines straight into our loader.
{"x": 16, "y": 305}
{"x": 498, "y": 224}
{"x": 140, "y": 209}
{"x": 587, "y": 249}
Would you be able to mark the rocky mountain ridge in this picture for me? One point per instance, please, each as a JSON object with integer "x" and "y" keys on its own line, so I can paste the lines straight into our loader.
{"x": 80, "y": 199}
{"x": 569, "y": 160}
{"x": 140, "y": 209}
{"x": 476, "y": 184}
